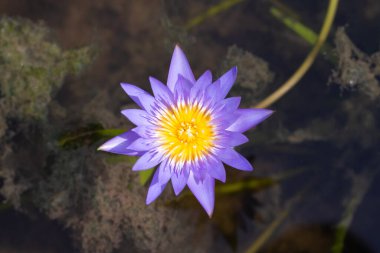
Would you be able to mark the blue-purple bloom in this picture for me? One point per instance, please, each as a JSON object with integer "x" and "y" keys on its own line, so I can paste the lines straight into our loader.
{"x": 188, "y": 128}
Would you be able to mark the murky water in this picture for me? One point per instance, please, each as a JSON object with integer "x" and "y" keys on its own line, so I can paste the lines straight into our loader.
{"x": 315, "y": 184}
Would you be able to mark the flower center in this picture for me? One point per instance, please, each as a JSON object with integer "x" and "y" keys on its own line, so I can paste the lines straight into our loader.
{"x": 185, "y": 132}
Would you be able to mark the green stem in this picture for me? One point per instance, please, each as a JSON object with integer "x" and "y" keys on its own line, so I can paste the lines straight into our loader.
{"x": 280, "y": 218}
{"x": 267, "y": 233}
{"x": 360, "y": 185}
{"x": 251, "y": 184}
{"x": 110, "y": 132}
{"x": 305, "y": 66}
{"x": 101, "y": 132}
{"x": 302, "y": 31}
{"x": 212, "y": 11}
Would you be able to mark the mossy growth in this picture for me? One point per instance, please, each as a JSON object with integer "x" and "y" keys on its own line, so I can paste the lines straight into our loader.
{"x": 33, "y": 67}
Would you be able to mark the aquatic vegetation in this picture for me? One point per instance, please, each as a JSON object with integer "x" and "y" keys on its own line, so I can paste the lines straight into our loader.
{"x": 49, "y": 165}
{"x": 189, "y": 128}
{"x": 355, "y": 69}
{"x": 254, "y": 75}
{"x": 33, "y": 67}
{"x": 360, "y": 185}
{"x": 212, "y": 11}
{"x": 100, "y": 204}
{"x": 32, "y": 70}
{"x": 306, "y": 64}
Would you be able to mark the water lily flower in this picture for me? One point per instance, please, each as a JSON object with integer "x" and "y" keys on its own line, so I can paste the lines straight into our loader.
{"x": 188, "y": 129}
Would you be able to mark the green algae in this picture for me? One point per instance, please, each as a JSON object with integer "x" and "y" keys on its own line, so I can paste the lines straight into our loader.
{"x": 33, "y": 67}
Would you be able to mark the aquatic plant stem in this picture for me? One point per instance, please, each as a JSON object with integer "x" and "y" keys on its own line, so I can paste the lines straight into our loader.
{"x": 278, "y": 221}
{"x": 303, "y": 32}
{"x": 263, "y": 238}
{"x": 212, "y": 11}
{"x": 300, "y": 72}
{"x": 360, "y": 186}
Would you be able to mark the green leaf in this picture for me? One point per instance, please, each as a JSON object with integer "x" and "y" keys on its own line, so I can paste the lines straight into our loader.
{"x": 250, "y": 184}
{"x": 86, "y": 135}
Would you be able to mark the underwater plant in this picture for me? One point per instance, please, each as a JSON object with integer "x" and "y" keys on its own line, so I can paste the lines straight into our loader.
{"x": 189, "y": 129}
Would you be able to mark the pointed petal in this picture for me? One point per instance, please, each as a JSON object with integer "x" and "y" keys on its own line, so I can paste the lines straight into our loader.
{"x": 226, "y": 106}
{"x": 226, "y": 82}
{"x": 201, "y": 84}
{"x": 160, "y": 90}
{"x": 182, "y": 88}
{"x": 223, "y": 122}
{"x": 248, "y": 118}
{"x": 159, "y": 181}
{"x": 148, "y": 160}
{"x": 165, "y": 172}
{"x": 142, "y": 144}
{"x": 139, "y": 96}
{"x": 120, "y": 144}
{"x": 213, "y": 91}
{"x": 204, "y": 80}
{"x": 179, "y": 181}
{"x": 136, "y": 116}
{"x": 216, "y": 169}
{"x": 204, "y": 191}
{"x": 179, "y": 65}
{"x": 232, "y": 158}
{"x": 144, "y": 131}
{"x": 230, "y": 139}
{"x": 230, "y": 104}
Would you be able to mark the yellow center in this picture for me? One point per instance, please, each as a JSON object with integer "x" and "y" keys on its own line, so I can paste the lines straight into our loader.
{"x": 185, "y": 132}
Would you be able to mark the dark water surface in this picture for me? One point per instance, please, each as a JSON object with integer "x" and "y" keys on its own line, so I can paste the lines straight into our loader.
{"x": 319, "y": 151}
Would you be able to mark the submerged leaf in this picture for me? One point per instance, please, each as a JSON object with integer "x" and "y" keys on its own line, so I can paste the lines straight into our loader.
{"x": 86, "y": 135}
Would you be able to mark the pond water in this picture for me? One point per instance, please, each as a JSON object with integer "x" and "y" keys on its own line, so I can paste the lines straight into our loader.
{"x": 315, "y": 184}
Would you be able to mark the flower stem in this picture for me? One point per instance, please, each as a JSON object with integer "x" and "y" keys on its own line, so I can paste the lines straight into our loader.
{"x": 300, "y": 72}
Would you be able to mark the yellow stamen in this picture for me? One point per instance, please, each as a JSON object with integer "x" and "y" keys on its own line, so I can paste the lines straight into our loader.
{"x": 185, "y": 132}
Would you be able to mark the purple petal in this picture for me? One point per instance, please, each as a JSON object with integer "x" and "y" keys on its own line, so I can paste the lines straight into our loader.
{"x": 182, "y": 88}
{"x": 223, "y": 122}
{"x": 142, "y": 144}
{"x": 179, "y": 65}
{"x": 213, "y": 91}
{"x": 201, "y": 84}
{"x": 232, "y": 158}
{"x": 148, "y": 160}
{"x": 216, "y": 169}
{"x": 228, "y": 139}
{"x": 203, "y": 191}
{"x": 226, "y": 82}
{"x": 120, "y": 144}
{"x": 226, "y": 106}
{"x": 160, "y": 90}
{"x": 159, "y": 181}
{"x": 136, "y": 116}
{"x": 144, "y": 131}
{"x": 204, "y": 80}
{"x": 141, "y": 97}
{"x": 165, "y": 172}
{"x": 179, "y": 181}
{"x": 230, "y": 104}
{"x": 248, "y": 118}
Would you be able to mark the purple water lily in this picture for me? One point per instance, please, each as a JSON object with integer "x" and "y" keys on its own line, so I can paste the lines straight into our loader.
{"x": 188, "y": 128}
